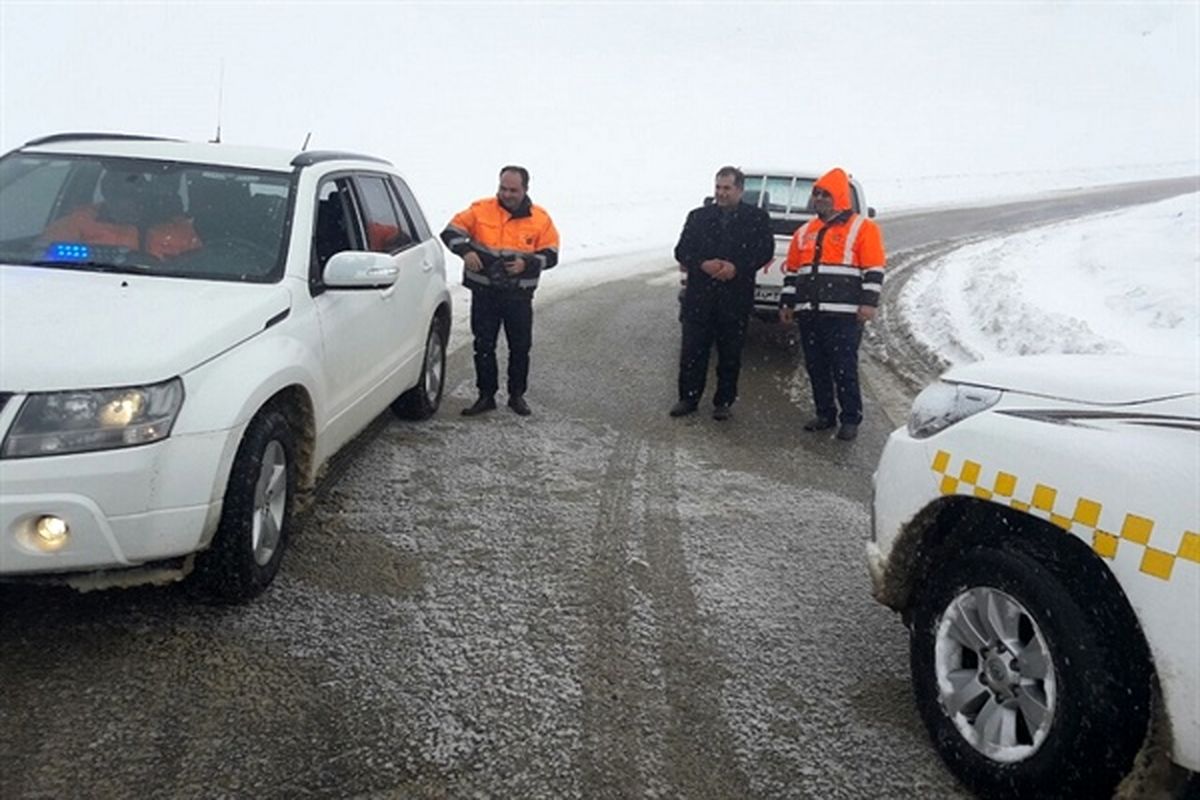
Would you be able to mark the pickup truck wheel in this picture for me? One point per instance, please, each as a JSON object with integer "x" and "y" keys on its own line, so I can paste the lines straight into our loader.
{"x": 248, "y": 546}
{"x": 1025, "y": 689}
{"x": 422, "y": 401}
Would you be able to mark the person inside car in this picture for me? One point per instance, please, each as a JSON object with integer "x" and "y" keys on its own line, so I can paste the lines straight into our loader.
{"x": 130, "y": 215}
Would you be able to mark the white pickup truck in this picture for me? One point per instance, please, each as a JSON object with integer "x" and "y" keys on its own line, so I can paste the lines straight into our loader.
{"x": 785, "y": 196}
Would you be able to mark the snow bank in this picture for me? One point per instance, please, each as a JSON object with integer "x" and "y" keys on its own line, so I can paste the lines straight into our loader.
{"x": 1118, "y": 282}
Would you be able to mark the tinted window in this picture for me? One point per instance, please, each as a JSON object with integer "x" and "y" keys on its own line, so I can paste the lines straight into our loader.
{"x": 335, "y": 229}
{"x": 412, "y": 208}
{"x": 387, "y": 232}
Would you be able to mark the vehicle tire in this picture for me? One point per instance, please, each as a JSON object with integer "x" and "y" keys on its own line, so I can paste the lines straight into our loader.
{"x": 253, "y": 533}
{"x": 1026, "y": 688}
{"x": 422, "y": 401}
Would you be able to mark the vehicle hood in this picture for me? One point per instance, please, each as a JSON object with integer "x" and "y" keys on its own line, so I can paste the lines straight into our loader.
{"x": 1097, "y": 379}
{"x": 64, "y": 329}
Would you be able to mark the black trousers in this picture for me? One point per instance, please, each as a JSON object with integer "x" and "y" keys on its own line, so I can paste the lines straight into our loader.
{"x": 490, "y": 309}
{"x": 727, "y": 330}
{"x": 830, "y": 344}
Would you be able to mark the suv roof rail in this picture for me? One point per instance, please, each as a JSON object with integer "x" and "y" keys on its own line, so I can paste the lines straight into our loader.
{"x": 310, "y": 157}
{"x": 84, "y": 136}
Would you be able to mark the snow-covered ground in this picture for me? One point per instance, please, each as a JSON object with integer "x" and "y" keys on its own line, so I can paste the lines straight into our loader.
{"x": 1118, "y": 282}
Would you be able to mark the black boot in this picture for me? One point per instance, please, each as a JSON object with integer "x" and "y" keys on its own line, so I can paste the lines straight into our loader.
{"x": 683, "y": 408}
{"x": 517, "y": 403}
{"x": 486, "y": 402}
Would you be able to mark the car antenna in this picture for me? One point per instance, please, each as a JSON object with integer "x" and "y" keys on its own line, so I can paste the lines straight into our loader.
{"x": 304, "y": 146}
{"x": 220, "y": 99}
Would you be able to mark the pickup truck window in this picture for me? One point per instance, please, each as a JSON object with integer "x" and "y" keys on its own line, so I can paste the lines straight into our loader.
{"x": 784, "y": 195}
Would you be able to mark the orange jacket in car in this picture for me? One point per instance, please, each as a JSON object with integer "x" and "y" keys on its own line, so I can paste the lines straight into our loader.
{"x": 496, "y": 234}
{"x": 834, "y": 266}
{"x": 84, "y": 224}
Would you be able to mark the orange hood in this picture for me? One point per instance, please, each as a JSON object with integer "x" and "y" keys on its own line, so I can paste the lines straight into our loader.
{"x": 837, "y": 183}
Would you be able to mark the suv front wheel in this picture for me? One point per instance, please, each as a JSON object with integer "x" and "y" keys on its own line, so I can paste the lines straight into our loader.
{"x": 1026, "y": 689}
{"x": 248, "y": 547}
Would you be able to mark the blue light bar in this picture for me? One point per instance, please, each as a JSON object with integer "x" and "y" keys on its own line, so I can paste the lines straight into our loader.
{"x": 68, "y": 251}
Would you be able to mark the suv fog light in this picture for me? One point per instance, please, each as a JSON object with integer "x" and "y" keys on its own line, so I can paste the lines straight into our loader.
{"x": 51, "y": 533}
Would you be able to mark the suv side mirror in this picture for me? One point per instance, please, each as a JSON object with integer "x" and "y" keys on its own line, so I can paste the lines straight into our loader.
{"x": 352, "y": 269}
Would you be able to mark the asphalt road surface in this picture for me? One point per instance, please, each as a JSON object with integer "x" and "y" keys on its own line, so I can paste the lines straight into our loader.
{"x": 596, "y": 601}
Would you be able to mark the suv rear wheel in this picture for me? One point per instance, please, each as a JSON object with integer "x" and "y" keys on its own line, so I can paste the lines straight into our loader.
{"x": 1026, "y": 689}
{"x": 422, "y": 401}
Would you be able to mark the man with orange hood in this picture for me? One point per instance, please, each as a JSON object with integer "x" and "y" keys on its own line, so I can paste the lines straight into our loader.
{"x": 832, "y": 278}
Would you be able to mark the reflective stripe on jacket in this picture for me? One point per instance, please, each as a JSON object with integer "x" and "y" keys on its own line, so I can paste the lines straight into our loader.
{"x": 834, "y": 266}
{"x": 496, "y": 234}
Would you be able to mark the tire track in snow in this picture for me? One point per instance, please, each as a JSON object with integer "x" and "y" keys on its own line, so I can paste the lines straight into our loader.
{"x": 615, "y": 697}
{"x": 699, "y": 742}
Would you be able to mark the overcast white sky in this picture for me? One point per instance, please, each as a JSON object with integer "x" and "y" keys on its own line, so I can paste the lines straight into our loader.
{"x": 608, "y": 101}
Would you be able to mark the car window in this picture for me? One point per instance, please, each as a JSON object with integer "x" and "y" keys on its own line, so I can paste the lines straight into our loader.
{"x": 336, "y": 228}
{"x": 788, "y": 195}
{"x": 387, "y": 231}
{"x": 409, "y": 206}
{"x": 148, "y": 216}
{"x": 38, "y": 182}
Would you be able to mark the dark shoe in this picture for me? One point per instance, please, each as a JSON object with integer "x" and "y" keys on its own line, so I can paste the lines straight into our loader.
{"x": 848, "y": 432}
{"x": 722, "y": 412}
{"x": 517, "y": 403}
{"x": 484, "y": 403}
{"x": 819, "y": 424}
{"x": 683, "y": 408}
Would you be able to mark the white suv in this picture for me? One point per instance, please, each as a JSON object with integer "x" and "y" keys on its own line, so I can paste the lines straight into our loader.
{"x": 784, "y": 194}
{"x": 187, "y": 333}
{"x": 1037, "y": 523}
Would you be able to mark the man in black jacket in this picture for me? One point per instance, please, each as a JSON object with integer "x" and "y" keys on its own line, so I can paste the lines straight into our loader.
{"x": 721, "y": 247}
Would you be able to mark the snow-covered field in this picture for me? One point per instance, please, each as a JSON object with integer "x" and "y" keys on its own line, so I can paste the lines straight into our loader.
{"x": 1118, "y": 282}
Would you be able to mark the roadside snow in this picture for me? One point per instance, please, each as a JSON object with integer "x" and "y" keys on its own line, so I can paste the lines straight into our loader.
{"x": 1118, "y": 282}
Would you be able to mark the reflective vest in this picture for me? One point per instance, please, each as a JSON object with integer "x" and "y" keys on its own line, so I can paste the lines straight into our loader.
{"x": 834, "y": 266}
{"x": 495, "y": 234}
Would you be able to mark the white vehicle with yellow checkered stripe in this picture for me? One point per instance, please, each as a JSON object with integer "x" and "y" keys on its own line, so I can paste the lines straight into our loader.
{"x": 1037, "y": 523}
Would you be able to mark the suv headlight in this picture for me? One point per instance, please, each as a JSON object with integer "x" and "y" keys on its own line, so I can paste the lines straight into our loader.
{"x": 57, "y": 423}
{"x": 942, "y": 404}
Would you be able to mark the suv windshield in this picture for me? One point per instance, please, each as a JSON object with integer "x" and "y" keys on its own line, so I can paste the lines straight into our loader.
{"x": 142, "y": 216}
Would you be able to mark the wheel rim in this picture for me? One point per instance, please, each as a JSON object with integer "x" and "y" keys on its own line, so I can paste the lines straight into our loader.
{"x": 995, "y": 675}
{"x": 433, "y": 367}
{"x": 270, "y": 501}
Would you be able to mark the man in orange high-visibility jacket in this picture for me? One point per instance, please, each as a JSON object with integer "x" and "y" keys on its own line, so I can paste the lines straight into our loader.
{"x": 505, "y": 243}
{"x": 832, "y": 278}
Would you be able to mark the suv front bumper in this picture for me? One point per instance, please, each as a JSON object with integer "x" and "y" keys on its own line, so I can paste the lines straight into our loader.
{"x": 121, "y": 507}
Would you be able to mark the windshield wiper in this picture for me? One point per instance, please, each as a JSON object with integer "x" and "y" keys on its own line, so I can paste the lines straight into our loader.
{"x": 93, "y": 266}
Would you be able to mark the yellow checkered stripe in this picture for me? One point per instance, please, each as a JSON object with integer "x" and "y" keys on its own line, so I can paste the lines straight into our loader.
{"x": 1084, "y": 520}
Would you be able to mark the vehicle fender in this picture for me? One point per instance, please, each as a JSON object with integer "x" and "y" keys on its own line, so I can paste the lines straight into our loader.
{"x": 224, "y": 394}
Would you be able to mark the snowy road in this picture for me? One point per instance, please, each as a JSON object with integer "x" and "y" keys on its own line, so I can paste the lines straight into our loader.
{"x": 596, "y": 601}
